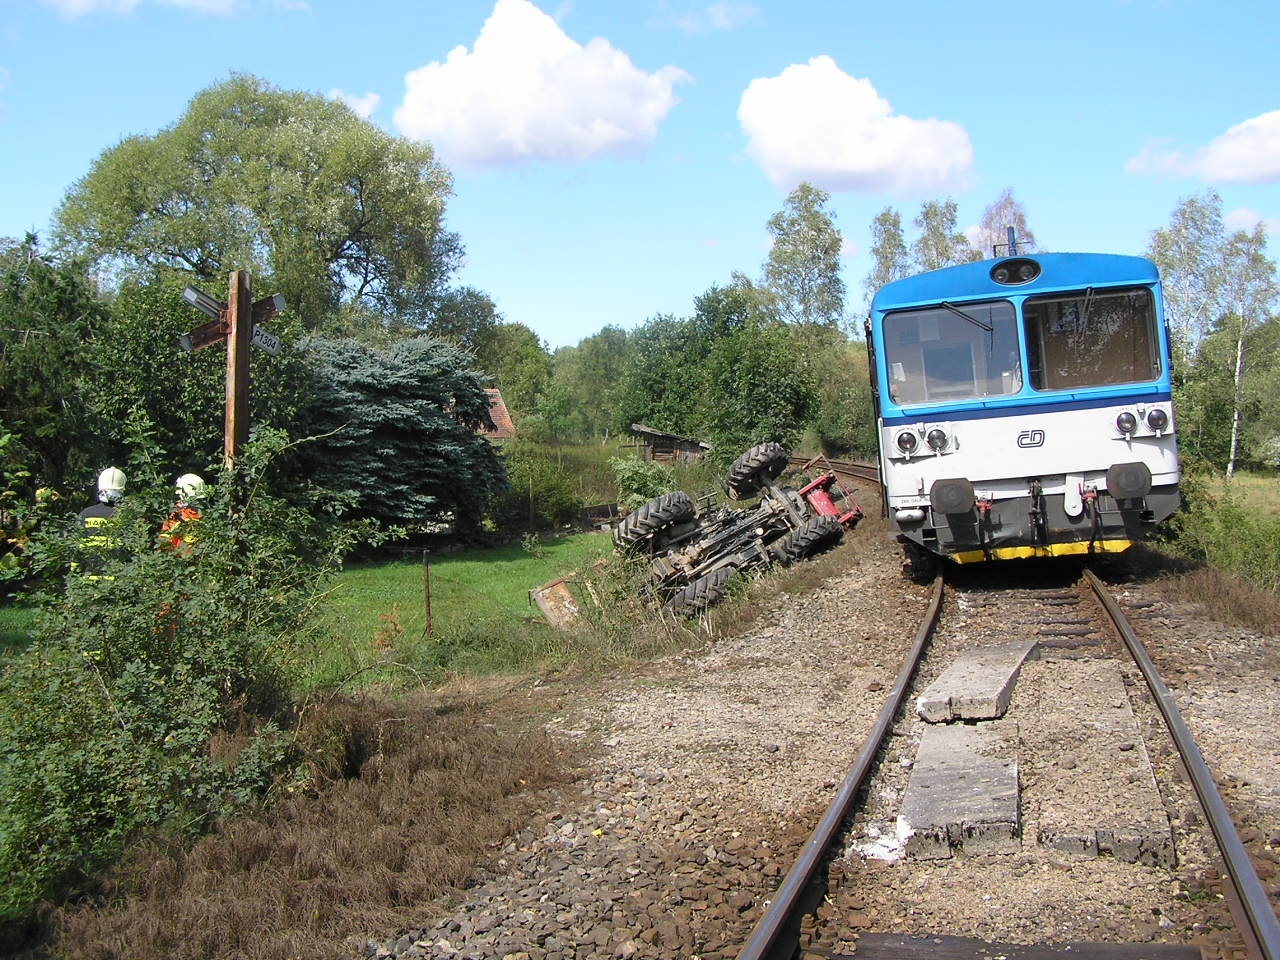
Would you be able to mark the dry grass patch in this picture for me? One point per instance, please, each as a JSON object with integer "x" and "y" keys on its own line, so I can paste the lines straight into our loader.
{"x": 1227, "y": 599}
{"x": 404, "y": 801}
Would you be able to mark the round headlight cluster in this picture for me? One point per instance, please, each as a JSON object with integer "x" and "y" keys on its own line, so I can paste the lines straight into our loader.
{"x": 1157, "y": 419}
{"x": 907, "y": 442}
{"x": 1015, "y": 271}
{"x": 1126, "y": 423}
{"x": 937, "y": 439}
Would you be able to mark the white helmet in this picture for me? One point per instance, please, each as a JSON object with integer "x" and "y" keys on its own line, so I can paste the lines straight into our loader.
{"x": 189, "y": 486}
{"x": 111, "y": 485}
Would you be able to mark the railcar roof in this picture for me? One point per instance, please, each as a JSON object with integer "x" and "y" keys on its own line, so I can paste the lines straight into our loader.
{"x": 973, "y": 280}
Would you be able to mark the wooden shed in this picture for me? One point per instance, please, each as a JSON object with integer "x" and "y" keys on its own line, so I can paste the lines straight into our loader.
{"x": 668, "y": 447}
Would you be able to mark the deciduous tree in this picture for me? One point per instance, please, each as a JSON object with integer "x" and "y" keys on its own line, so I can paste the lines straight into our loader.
{"x": 1189, "y": 256}
{"x": 49, "y": 315}
{"x": 890, "y": 258}
{"x": 341, "y": 218}
{"x": 803, "y": 267}
{"x": 992, "y": 238}
{"x": 1250, "y": 282}
{"x": 519, "y": 364}
{"x": 939, "y": 244}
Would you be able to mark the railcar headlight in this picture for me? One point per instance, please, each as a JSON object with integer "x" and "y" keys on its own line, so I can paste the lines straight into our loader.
{"x": 907, "y": 442}
{"x": 1126, "y": 423}
{"x": 937, "y": 439}
{"x": 1012, "y": 272}
{"x": 1157, "y": 419}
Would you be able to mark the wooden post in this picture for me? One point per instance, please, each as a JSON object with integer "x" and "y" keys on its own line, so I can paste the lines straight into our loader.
{"x": 239, "y": 334}
{"x": 426, "y": 586}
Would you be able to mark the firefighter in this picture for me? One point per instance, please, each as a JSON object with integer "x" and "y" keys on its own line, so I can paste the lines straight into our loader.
{"x": 96, "y": 518}
{"x": 178, "y": 532}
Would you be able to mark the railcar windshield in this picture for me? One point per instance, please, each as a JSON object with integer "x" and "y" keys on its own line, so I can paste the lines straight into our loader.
{"x": 1093, "y": 338}
{"x": 952, "y": 352}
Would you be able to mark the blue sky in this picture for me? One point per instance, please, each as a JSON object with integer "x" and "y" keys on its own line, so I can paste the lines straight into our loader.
{"x": 612, "y": 160}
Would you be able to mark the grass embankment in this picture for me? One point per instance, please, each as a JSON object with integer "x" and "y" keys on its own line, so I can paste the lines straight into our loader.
{"x": 421, "y": 796}
{"x": 1227, "y": 542}
{"x": 399, "y": 621}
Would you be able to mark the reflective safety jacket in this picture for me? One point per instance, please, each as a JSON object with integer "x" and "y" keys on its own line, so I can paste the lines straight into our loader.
{"x": 96, "y": 540}
{"x": 178, "y": 532}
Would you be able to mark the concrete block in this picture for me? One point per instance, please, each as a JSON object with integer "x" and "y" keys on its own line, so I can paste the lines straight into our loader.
{"x": 1102, "y": 801}
{"x": 977, "y": 686}
{"x": 963, "y": 792}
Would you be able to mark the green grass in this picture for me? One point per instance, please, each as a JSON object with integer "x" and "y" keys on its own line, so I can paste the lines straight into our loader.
{"x": 1255, "y": 491}
{"x": 16, "y": 623}
{"x": 481, "y": 616}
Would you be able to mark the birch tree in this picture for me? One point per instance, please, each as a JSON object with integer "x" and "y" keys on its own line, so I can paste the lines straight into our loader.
{"x": 890, "y": 258}
{"x": 1249, "y": 284}
{"x": 1189, "y": 254}
{"x": 803, "y": 268}
{"x": 940, "y": 244}
{"x": 993, "y": 232}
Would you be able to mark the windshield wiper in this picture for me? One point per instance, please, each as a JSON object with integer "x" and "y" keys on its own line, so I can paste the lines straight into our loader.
{"x": 1088, "y": 301}
{"x": 972, "y": 319}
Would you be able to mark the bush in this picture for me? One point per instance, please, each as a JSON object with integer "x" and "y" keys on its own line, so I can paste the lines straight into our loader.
{"x": 639, "y": 481}
{"x": 1223, "y": 533}
{"x": 156, "y": 695}
{"x": 540, "y": 494}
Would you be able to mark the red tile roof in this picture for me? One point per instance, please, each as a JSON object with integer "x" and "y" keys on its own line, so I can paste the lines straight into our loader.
{"x": 503, "y": 427}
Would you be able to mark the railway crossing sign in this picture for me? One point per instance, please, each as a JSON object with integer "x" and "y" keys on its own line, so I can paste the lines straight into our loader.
{"x": 238, "y": 322}
{"x": 217, "y": 328}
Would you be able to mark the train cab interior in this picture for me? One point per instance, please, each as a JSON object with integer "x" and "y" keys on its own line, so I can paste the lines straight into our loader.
{"x": 946, "y": 353}
{"x": 1092, "y": 339}
{"x": 954, "y": 352}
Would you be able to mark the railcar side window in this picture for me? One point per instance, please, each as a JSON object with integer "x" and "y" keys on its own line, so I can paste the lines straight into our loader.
{"x": 1091, "y": 339}
{"x": 952, "y": 352}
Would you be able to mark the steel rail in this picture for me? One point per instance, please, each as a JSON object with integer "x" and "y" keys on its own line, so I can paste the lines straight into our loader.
{"x": 776, "y": 934}
{"x": 863, "y": 471}
{"x": 1255, "y": 915}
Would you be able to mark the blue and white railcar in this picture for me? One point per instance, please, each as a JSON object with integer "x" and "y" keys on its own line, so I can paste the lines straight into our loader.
{"x": 1024, "y": 406}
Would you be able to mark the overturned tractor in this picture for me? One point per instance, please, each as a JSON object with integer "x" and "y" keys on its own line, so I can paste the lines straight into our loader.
{"x": 692, "y": 555}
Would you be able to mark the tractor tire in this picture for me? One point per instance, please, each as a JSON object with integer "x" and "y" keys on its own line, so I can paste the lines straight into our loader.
{"x": 704, "y": 592}
{"x": 751, "y": 470}
{"x": 657, "y": 515}
{"x": 818, "y": 534}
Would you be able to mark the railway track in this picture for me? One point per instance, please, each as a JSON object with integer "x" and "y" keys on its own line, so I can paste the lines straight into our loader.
{"x": 960, "y": 784}
{"x": 850, "y": 471}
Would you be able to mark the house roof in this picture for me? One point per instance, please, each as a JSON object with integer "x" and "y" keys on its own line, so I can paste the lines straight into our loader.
{"x": 504, "y": 429}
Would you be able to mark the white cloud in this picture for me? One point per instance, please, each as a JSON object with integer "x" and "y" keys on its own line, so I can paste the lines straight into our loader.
{"x": 816, "y": 123}
{"x": 220, "y": 7}
{"x": 74, "y": 9}
{"x": 529, "y": 92}
{"x": 1249, "y": 152}
{"x": 718, "y": 16}
{"x": 362, "y": 106}
{"x": 1243, "y": 218}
